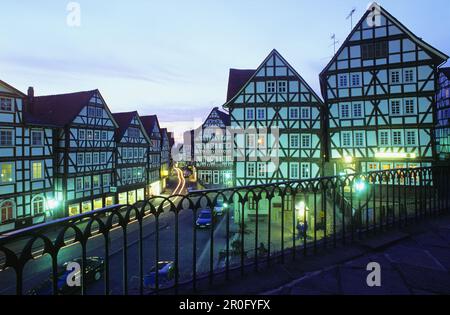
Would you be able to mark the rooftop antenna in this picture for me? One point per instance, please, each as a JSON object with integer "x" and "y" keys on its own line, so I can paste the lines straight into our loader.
{"x": 350, "y": 16}
{"x": 335, "y": 42}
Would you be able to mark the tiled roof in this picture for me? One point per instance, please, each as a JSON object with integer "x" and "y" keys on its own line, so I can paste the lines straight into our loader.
{"x": 149, "y": 123}
{"x": 236, "y": 81}
{"x": 123, "y": 120}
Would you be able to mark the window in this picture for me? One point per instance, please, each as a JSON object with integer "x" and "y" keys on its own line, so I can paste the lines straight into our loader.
{"x": 345, "y": 111}
{"x": 6, "y": 138}
{"x": 91, "y": 112}
{"x": 294, "y": 141}
{"x": 396, "y": 137}
{"x": 80, "y": 158}
{"x": 343, "y": 80}
{"x": 37, "y": 138}
{"x": 395, "y": 77}
{"x": 36, "y": 168}
{"x": 81, "y": 134}
{"x": 7, "y": 173}
{"x": 411, "y": 138}
{"x": 294, "y": 170}
{"x": 410, "y": 108}
{"x": 282, "y": 86}
{"x": 7, "y": 211}
{"x": 305, "y": 170}
{"x": 409, "y": 76}
{"x": 305, "y": 113}
{"x": 96, "y": 135}
{"x": 250, "y": 140}
{"x": 136, "y": 152}
{"x": 88, "y": 159}
{"x": 6, "y": 104}
{"x": 395, "y": 107}
{"x": 38, "y": 205}
{"x": 87, "y": 182}
{"x": 104, "y": 135}
{"x": 262, "y": 141}
{"x": 359, "y": 139}
{"x": 89, "y": 135}
{"x": 95, "y": 158}
{"x": 261, "y": 170}
{"x": 357, "y": 110}
{"x": 141, "y": 152}
{"x": 374, "y": 50}
{"x": 260, "y": 114}
{"x": 96, "y": 181}
{"x": 99, "y": 112}
{"x": 251, "y": 170}
{"x": 293, "y": 113}
{"x": 355, "y": 80}
{"x": 79, "y": 184}
{"x": 270, "y": 87}
{"x": 306, "y": 141}
{"x": 106, "y": 180}
{"x": 384, "y": 138}
{"x": 133, "y": 133}
{"x": 346, "y": 139}
{"x": 250, "y": 113}
{"x": 103, "y": 158}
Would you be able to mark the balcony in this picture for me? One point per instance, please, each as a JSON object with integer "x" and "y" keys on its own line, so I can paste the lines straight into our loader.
{"x": 260, "y": 226}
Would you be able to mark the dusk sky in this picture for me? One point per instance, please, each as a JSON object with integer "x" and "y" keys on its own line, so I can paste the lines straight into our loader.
{"x": 172, "y": 58}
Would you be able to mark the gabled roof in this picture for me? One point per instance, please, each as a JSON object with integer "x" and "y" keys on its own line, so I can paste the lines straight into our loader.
{"x": 419, "y": 41}
{"x": 272, "y": 53}
{"x": 225, "y": 117}
{"x": 124, "y": 120}
{"x": 237, "y": 78}
{"x": 16, "y": 91}
{"x": 446, "y": 72}
{"x": 60, "y": 109}
{"x": 149, "y": 122}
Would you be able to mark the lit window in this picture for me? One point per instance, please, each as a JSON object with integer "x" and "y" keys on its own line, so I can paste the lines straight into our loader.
{"x": 270, "y": 87}
{"x": 36, "y": 138}
{"x": 7, "y": 211}
{"x": 7, "y": 172}
{"x": 6, "y": 138}
{"x": 38, "y": 205}
{"x": 36, "y": 170}
{"x": 6, "y": 104}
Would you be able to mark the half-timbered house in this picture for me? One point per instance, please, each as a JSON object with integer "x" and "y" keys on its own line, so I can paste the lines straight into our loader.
{"x": 151, "y": 125}
{"x": 26, "y": 162}
{"x": 165, "y": 158}
{"x": 443, "y": 114}
{"x": 131, "y": 156}
{"x": 213, "y": 154}
{"x": 380, "y": 93}
{"x": 275, "y": 122}
{"x": 85, "y": 146}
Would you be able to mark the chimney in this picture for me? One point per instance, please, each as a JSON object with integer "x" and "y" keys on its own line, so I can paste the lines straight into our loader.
{"x": 30, "y": 98}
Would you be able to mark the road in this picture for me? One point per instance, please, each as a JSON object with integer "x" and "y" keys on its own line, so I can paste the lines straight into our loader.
{"x": 39, "y": 269}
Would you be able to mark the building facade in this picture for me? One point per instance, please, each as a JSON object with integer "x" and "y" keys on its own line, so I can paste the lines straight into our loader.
{"x": 165, "y": 158}
{"x": 212, "y": 151}
{"x": 26, "y": 162}
{"x": 151, "y": 125}
{"x": 276, "y": 124}
{"x": 380, "y": 93}
{"x": 84, "y": 146}
{"x": 443, "y": 115}
{"x": 131, "y": 156}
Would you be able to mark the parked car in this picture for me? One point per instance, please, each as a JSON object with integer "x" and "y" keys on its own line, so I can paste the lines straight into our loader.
{"x": 204, "y": 219}
{"x": 166, "y": 273}
{"x": 94, "y": 268}
{"x": 220, "y": 207}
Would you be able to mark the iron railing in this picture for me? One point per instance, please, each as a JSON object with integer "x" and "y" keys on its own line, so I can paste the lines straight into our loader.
{"x": 259, "y": 223}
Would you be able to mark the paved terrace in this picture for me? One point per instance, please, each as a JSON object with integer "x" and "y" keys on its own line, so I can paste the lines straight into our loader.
{"x": 415, "y": 260}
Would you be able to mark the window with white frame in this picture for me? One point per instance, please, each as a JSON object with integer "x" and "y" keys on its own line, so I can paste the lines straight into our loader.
{"x": 305, "y": 170}
{"x": 104, "y": 135}
{"x": 6, "y": 138}
{"x": 343, "y": 81}
{"x": 37, "y": 171}
{"x": 410, "y": 107}
{"x": 294, "y": 170}
{"x": 95, "y": 158}
{"x": 270, "y": 87}
{"x": 88, "y": 158}
{"x": 262, "y": 170}
{"x": 294, "y": 143}
{"x": 81, "y": 134}
{"x": 250, "y": 113}
{"x": 103, "y": 157}
{"x": 305, "y": 113}
{"x": 293, "y": 113}
{"x": 395, "y": 77}
{"x": 99, "y": 112}
{"x": 106, "y": 180}
{"x": 260, "y": 114}
{"x": 96, "y": 181}
{"x": 80, "y": 158}
{"x": 397, "y": 137}
{"x": 356, "y": 79}
{"x": 306, "y": 141}
{"x": 38, "y": 205}
{"x": 357, "y": 110}
{"x": 282, "y": 86}
{"x": 6, "y": 173}
{"x": 409, "y": 76}
{"x": 359, "y": 138}
{"x": 384, "y": 138}
{"x": 87, "y": 182}
{"x": 346, "y": 139}
{"x": 251, "y": 170}
{"x": 411, "y": 137}
{"x": 96, "y": 135}
{"x": 89, "y": 135}
{"x": 345, "y": 111}
{"x": 6, "y": 104}
{"x": 79, "y": 183}
{"x": 396, "y": 107}
{"x": 37, "y": 138}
